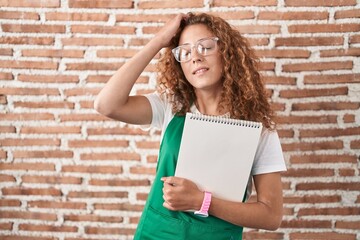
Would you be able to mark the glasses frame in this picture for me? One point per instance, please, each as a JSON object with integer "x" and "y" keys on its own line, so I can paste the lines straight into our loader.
{"x": 196, "y": 45}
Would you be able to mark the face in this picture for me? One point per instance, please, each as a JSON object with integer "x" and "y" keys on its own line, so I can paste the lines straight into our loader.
{"x": 203, "y": 72}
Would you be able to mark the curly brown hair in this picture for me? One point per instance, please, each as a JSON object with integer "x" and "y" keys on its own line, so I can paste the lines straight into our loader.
{"x": 243, "y": 93}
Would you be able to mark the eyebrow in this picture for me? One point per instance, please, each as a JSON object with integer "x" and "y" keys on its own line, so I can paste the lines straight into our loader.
{"x": 197, "y": 40}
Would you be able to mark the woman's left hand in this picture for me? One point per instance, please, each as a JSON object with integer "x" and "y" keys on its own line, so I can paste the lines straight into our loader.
{"x": 181, "y": 194}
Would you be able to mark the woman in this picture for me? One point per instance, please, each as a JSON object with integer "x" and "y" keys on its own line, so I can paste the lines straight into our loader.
{"x": 208, "y": 68}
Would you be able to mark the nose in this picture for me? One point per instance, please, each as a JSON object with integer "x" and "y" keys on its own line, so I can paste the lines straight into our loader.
{"x": 195, "y": 55}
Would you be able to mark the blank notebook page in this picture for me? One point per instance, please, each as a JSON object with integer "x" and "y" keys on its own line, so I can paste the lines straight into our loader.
{"x": 217, "y": 154}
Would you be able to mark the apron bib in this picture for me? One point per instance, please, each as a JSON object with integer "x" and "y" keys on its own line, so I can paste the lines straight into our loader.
{"x": 159, "y": 223}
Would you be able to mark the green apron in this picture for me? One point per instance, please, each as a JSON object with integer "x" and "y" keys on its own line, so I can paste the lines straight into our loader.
{"x": 159, "y": 223}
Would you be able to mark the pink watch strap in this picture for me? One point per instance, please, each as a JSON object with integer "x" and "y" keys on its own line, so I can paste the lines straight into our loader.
{"x": 203, "y": 212}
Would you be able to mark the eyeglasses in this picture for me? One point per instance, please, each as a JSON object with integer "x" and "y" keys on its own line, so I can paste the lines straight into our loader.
{"x": 204, "y": 46}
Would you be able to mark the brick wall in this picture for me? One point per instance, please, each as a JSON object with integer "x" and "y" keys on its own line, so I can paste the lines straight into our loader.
{"x": 69, "y": 173}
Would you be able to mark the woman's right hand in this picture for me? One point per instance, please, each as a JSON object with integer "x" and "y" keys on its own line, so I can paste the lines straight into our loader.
{"x": 167, "y": 32}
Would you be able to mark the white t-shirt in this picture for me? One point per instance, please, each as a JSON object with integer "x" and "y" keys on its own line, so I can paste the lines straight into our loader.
{"x": 268, "y": 158}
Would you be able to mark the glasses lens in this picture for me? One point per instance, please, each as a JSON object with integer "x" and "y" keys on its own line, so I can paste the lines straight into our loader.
{"x": 206, "y": 46}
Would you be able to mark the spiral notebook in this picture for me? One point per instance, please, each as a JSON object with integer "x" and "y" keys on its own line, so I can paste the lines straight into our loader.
{"x": 217, "y": 154}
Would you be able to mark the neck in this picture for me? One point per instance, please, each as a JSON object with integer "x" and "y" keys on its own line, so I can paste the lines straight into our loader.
{"x": 208, "y": 103}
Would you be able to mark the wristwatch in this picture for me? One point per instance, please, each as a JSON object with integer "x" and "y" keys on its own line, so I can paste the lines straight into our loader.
{"x": 203, "y": 212}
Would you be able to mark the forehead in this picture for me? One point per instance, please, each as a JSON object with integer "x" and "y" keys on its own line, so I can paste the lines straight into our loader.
{"x": 193, "y": 33}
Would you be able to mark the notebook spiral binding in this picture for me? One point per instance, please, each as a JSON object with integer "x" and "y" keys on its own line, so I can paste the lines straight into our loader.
{"x": 224, "y": 120}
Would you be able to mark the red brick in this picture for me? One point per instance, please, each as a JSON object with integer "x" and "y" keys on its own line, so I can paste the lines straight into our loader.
{"x": 82, "y": 91}
{"x": 355, "y": 144}
{"x": 118, "y": 182}
{"x": 97, "y": 143}
{"x": 109, "y": 231}
{"x": 98, "y": 194}
{"x": 51, "y": 179}
{"x": 29, "y": 91}
{"x": 119, "y": 207}
{"x": 92, "y": 218}
{"x": 233, "y": 3}
{"x": 306, "y": 224}
{"x": 335, "y": 132}
{"x": 235, "y": 15}
{"x": 263, "y": 235}
{"x": 110, "y": 156}
{"x": 300, "y": 172}
{"x": 22, "y": 237}
{"x": 148, "y": 144}
{"x": 19, "y": 15}
{"x": 31, "y": 191}
{"x": 7, "y": 129}
{"x": 308, "y": 41}
{"x": 126, "y": 53}
{"x": 354, "y": 39}
{"x": 43, "y": 154}
{"x": 32, "y": 4}
{"x": 344, "y": 211}
{"x": 170, "y": 4}
{"x": 16, "y": 142}
{"x": 151, "y": 159}
{"x": 339, "y": 186}
{"x": 6, "y": 52}
{"x": 48, "y": 78}
{"x": 258, "y": 29}
{"x": 92, "y": 169}
{"x": 105, "y": 78}
{"x": 10, "y": 203}
{"x": 93, "y": 66}
{"x": 64, "y": 16}
{"x": 317, "y": 66}
{"x": 352, "y": 13}
{"x": 315, "y": 3}
{"x": 53, "y": 53}
{"x": 102, "y": 29}
{"x": 328, "y": 106}
{"x": 305, "y": 119}
{"x": 82, "y": 117}
{"x": 258, "y": 41}
{"x": 276, "y": 15}
{"x": 101, "y": 4}
{"x": 279, "y": 53}
{"x": 347, "y": 172}
{"x": 3, "y": 99}
{"x": 315, "y": 28}
{"x": 349, "y": 118}
{"x": 28, "y": 64}
{"x": 340, "y": 52}
{"x": 57, "y": 205}
{"x": 117, "y": 131}
{"x": 144, "y": 17}
{"x": 28, "y": 40}
{"x": 307, "y": 93}
{"x": 47, "y": 105}
{"x": 326, "y": 79}
{"x": 312, "y": 199}
{"x": 7, "y": 178}
{"x": 6, "y": 226}
{"x": 28, "y": 215}
{"x": 51, "y": 130}
{"x": 322, "y": 235}
{"x": 80, "y": 41}
{"x": 311, "y": 146}
{"x": 47, "y": 228}
{"x": 6, "y": 76}
{"x": 32, "y": 28}
{"x": 27, "y": 116}
{"x": 28, "y": 166}
{"x": 143, "y": 170}
{"x": 348, "y": 224}
{"x": 285, "y": 133}
{"x": 308, "y": 159}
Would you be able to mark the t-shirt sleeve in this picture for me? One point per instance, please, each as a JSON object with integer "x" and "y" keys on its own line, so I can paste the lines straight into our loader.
{"x": 158, "y": 106}
{"x": 269, "y": 156}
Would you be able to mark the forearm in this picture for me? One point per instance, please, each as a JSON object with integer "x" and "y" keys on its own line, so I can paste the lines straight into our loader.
{"x": 258, "y": 215}
{"x": 117, "y": 89}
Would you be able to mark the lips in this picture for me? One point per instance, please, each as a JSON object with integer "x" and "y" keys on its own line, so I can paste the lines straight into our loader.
{"x": 200, "y": 70}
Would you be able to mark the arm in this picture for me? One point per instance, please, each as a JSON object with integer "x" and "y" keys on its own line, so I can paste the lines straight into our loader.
{"x": 114, "y": 101}
{"x": 266, "y": 213}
